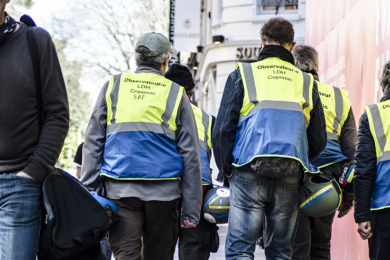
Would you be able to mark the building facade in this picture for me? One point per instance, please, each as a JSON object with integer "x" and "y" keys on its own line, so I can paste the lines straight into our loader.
{"x": 230, "y": 33}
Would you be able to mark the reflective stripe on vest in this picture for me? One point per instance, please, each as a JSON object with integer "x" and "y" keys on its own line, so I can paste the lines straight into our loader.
{"x": 160, "y": 121}
{"x": 378, "y": 118}
{"x": 278, "y": 88}
{"x": 302, "y": 103}
{"x": 141, "y": 124}
{"x": 336, "y": 107}
{"x": 203, "y": 123}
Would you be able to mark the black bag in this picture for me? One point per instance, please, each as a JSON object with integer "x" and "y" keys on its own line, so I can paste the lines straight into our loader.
{"x": 75, "y": 222}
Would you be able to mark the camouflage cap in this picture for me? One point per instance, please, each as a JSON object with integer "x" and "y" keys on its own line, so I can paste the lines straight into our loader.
{"x": 157, "y": 44}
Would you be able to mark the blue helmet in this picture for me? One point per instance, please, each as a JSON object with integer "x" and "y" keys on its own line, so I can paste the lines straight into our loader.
{"x": 108, "y": 205}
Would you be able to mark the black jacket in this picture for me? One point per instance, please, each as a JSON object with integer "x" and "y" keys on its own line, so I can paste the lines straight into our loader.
{"x": 22, "y": 148}
{"x": 365, "y": 169}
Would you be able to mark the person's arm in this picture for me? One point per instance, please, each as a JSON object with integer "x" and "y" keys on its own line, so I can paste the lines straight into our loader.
{"x": 365, "y": 171}
{"x": 187, "y": 141}
{"x": 55, "y": 109}
{"x": 348, "y": 143}
{"x": 348, "y": 137}
{"x": 316, "y": 132}
{"x": 224, "y": 131}
{"x": 95, "y": 139}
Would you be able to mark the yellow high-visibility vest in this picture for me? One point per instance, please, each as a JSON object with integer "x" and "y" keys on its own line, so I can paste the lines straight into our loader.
{"x": 275, "y": 112}
{"x": 203, "y": 123}
{"x": 379, "y": 121}
{"x": 141, "y": 123}
{"x": 336, "y": 105}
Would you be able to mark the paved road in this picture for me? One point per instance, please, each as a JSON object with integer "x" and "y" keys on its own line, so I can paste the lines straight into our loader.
{"x": 220, "y": 255}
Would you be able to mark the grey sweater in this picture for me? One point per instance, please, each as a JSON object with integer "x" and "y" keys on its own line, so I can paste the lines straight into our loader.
{"x": 21, "y": 147}
{"x": 187, "y": 142}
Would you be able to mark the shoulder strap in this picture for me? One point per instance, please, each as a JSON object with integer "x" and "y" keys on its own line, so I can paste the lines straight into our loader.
{"x": 34, "y": 53}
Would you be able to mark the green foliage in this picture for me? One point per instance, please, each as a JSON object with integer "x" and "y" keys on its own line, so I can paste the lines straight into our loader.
{"x": 17, "y": 8}
{"x": 79, "y": 107}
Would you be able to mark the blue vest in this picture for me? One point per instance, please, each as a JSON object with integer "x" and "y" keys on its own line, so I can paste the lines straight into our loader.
{"x": 203, "y": 123}
{"x": 275, "y": 113}
{"x": 331, "y": 154}
{"x": 141, "y": 125}
{"x": 336, "y": 105}
{"x": 378, "y": 118}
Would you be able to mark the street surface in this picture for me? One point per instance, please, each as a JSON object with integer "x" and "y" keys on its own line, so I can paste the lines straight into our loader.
{"x": 220, "y": 255}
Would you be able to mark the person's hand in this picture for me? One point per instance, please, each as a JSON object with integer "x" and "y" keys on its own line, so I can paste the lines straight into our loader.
{"x": 344, "y": 210}
{"x": 364, "y": 230}
{"x": 23, "y": 174}
{"x": 187, "y": 224}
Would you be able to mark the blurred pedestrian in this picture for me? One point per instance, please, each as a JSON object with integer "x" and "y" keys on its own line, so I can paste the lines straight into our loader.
{"x": 195, "y": 243}
{"x": 372, "y": 168}
{"x": 29, "y": 146}
{"x": 78, "y": 159}
{"x": 142, "y": 138}
{"x": 268, "y": 129}
{"x": 314, "y": 233}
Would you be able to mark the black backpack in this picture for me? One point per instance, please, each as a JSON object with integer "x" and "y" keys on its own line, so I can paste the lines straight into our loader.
{"x": 73, "y": 222}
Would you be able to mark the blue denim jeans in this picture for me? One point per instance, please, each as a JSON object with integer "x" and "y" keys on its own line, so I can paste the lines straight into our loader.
{"x": 20, "y": 217}
{"x": 253, "y": 199}
{"x": 106, "y": 250}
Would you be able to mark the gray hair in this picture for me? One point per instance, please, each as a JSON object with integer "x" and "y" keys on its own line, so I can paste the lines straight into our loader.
{"x": 154, "y": 62}
{"x": 384, "y": 81}
{"x": 306, "y": 58}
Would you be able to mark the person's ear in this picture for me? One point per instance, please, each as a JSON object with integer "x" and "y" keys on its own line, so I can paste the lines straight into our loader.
{"x": 264, "y": 42}
{"x": 167, "y": 59}
{"x": 292, "y": 46}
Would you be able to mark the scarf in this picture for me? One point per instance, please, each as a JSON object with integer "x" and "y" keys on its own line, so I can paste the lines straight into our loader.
{"x": 7, "y": 28}
{"x": 276, "y": 51}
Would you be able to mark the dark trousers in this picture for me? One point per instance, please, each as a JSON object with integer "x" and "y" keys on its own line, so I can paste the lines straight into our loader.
{"x": 379, "y": 243}
{"x": 146, "y": 230}
{"x": 191, "y": 242}
{"x": 196, "y": 243}
{"x": 312, "y": 241}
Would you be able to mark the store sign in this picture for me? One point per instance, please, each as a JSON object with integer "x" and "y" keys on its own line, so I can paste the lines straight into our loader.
{"x": 248, "y": 53}
{"x": 185, "y": 24}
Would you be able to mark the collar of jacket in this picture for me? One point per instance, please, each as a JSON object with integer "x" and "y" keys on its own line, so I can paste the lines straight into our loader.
{"x": 385, "y": 97}
{"x": 144, "y": 69}
{"x": 276, "y": 51}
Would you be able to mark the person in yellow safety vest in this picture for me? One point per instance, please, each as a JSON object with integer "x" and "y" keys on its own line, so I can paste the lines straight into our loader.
{"x": 372, "y": 173}
{"x": 197, "y": 243}
{"x": 142, "y": 139}
{"x": 269, "y": 128}
{"x": 314, "y": 233}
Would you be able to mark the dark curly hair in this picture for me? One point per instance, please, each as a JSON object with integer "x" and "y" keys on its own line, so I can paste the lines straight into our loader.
{"x": 385, "y": 79}
{"x": 278, "y": 30}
